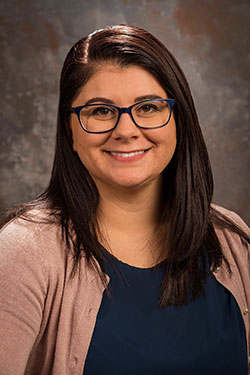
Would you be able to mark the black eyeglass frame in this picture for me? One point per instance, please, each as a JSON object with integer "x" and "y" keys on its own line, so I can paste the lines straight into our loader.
{"x": 122, "y": 110}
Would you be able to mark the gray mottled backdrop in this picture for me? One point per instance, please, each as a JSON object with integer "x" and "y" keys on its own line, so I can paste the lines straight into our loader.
{"x": 210, "y": 39}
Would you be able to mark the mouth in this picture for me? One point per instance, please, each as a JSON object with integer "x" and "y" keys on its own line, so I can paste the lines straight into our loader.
{"x": 127, "y": 155}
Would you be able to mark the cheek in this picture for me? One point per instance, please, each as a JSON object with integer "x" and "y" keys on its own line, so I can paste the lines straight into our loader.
{"x": 87, "y": 146}
{"x": 167, "y": 146}
{"x": 80, "y": 139}
{"x": 82, "y": 147}
{"x": 84, "y": 152}
{"x": 172, "y": 140}
{"x": 166, "y": 139}
{"x": 170, "y": 135}
{"x": 78, "y": 144}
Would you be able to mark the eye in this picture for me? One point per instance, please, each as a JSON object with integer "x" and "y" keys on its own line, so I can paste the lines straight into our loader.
{"x": 102, "y": 111}
{"x": 150, "y": 107}
{"x": 147, "y": 108}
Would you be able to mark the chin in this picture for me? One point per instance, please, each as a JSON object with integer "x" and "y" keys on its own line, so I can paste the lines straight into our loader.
{"x": 133, "y": 182}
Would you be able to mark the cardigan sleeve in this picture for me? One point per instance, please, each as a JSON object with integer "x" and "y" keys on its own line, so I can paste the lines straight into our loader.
{"x": 23, "y": 288}
{"x": 237, "y": 252}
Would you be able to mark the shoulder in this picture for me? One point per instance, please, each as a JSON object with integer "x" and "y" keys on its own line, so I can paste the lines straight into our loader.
{"x": 34, "y": 240}
{"x": 233, "y": 217}
{"x": 234, "y": 246}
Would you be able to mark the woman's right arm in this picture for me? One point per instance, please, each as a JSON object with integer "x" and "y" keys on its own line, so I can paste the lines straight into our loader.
{"x": 23, "y": 289}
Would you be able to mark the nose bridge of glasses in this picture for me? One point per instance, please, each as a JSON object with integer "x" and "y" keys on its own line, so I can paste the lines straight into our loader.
{"x": 127, "y": 110}
{"x": 124, "y": 110}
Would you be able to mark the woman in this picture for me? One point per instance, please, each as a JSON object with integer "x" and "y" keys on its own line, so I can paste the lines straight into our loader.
{"x": 122, "y": 266}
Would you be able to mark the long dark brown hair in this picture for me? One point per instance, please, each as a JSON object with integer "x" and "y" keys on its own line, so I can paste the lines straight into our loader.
{"x": 187, "y": 217}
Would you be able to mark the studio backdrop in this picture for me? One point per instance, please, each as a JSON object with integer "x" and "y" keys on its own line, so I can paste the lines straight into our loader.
{"x": 210, "y": 39}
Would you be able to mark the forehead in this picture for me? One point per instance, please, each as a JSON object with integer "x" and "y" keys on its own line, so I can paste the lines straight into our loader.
{"x": 119, "y": 84}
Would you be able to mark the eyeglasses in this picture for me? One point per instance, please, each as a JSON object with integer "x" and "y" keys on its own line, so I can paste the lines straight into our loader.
{"x": 102, "y": 118}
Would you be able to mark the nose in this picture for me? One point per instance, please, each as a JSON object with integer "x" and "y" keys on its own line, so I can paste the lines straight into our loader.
{"x": 126, "y": 128}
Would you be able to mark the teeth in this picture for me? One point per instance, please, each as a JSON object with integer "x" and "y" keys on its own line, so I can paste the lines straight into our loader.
{"x": 127, "y": 155}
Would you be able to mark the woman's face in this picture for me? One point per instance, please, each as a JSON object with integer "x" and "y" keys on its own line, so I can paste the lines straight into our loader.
{"x": 122, "y": 87}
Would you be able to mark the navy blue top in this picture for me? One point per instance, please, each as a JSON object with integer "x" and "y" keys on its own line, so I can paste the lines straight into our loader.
{"x": 133, "y": 336}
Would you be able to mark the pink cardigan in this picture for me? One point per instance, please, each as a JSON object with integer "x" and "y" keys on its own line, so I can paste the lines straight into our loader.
{"x": 47, "y": 320}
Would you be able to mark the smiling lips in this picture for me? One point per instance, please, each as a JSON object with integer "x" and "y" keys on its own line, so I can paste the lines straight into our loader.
{"x": 127, "y": 156}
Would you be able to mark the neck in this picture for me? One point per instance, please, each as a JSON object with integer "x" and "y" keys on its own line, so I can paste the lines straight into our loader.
{"x": 130, "y": 208}
{"x": 128, "y": 221}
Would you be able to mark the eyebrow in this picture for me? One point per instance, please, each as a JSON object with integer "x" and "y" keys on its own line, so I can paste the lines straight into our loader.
{"x": 100, "y": 99}
{"x": 145, "y": 97}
